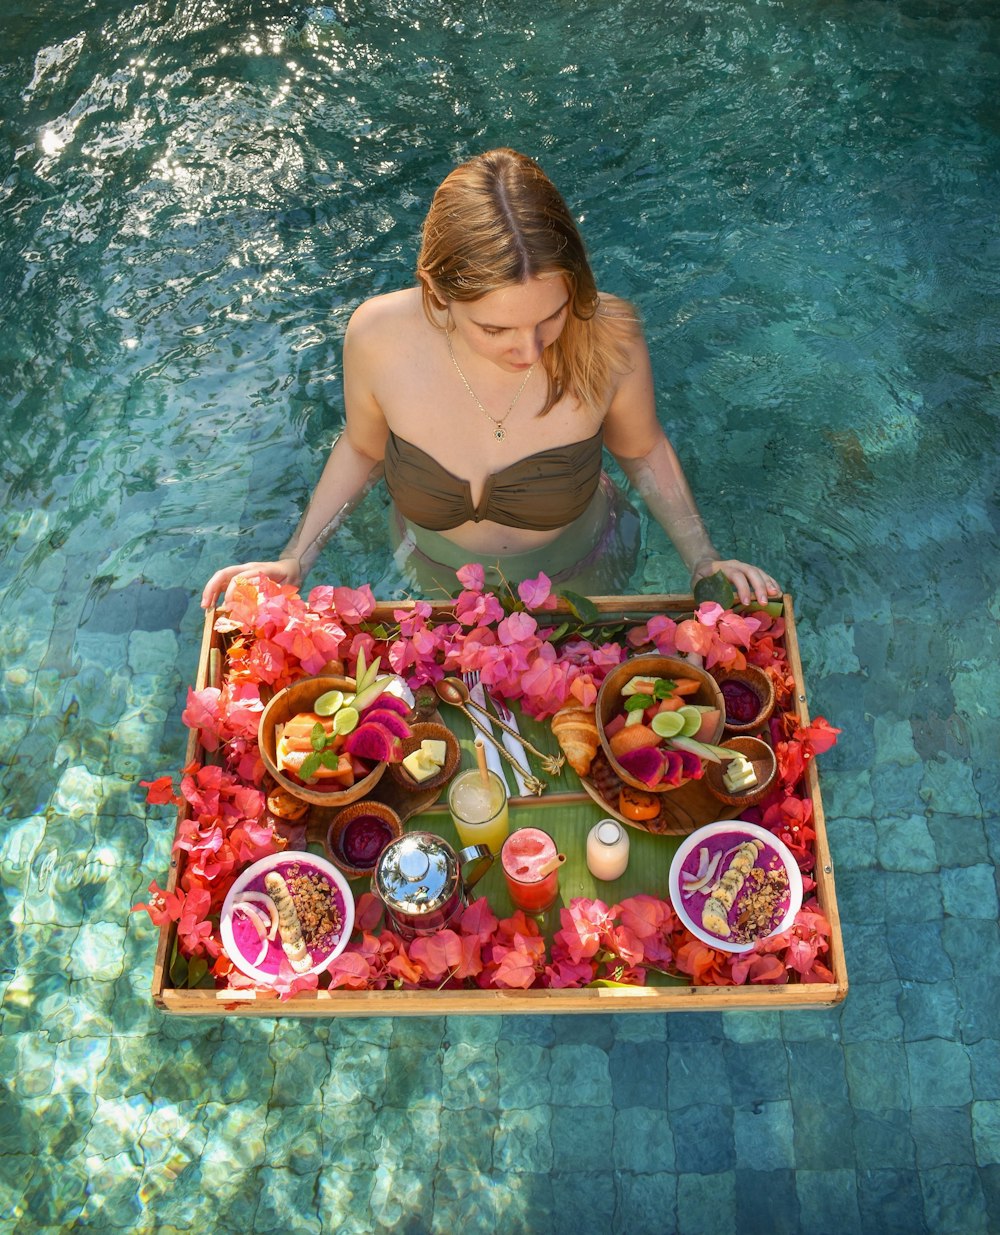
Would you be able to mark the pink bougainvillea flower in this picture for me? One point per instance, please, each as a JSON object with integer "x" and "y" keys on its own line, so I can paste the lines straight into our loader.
{"x": 766, "y": 970}
{"x": 583, "y": 925}
{"x": 351, "y": 970}
{"x": 565, "y": 973}
{"x": 478, "y": 608}
{"x": 350, "y": 605}
{"x": 367, "y": 912}
{"x": 694, "y": 638}
{"x": 518, "y": 628}
{"x": 537, "y": 593}
{"x": 438, "y": 954}
{"x": 478, "y": 919}
{"x": 472, "y": 577}
{"x": 202, "y": 713}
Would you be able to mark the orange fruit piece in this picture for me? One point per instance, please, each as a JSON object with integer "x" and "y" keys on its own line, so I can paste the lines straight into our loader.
{"x": 632, "y": 737}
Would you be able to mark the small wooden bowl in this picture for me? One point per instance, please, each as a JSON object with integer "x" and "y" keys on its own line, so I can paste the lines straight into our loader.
{"x": 609, "y": 702}
{"x": 760, "y": 683}
{"x": 419, "y": 732}
{"x": 300, "y": 697}
{"x": 764, "y": 763}
{"x": 339, "y": 824}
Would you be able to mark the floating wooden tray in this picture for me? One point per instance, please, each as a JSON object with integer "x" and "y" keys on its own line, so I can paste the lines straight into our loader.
{"x": 567, "y": 811}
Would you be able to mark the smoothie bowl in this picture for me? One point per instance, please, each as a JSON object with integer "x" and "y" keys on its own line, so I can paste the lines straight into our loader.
{"x": 288, "y": 910}
{"x": 733, "y": 884}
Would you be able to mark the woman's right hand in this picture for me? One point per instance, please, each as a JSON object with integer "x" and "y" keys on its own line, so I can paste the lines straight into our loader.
{"x": 287, "y": 570}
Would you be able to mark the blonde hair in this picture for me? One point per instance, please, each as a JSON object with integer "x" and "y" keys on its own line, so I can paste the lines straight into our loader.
{"x": 498, "y": 220}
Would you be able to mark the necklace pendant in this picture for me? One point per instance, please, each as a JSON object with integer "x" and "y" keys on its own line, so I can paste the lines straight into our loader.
{"x": 499, "y": 433}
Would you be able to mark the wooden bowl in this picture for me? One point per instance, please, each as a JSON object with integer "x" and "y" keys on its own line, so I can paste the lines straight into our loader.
{"x": 419, "y": 732}
{"x": 765, "y": 764}
{"x": 609, "y": 702}
{"x": 760, "y": 683}
{"x": 300, "y": 697}
{"x": 342, "y": 820}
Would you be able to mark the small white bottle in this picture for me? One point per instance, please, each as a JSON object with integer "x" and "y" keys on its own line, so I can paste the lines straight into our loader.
{"x": 607, "y": 850}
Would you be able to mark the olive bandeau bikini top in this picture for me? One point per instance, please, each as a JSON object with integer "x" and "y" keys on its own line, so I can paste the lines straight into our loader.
{"x": 546, "y": 490}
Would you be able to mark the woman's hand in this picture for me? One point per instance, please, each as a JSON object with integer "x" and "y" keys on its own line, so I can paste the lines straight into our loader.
{"x": 287, "y": 570}
{"x": 749, "y": 581}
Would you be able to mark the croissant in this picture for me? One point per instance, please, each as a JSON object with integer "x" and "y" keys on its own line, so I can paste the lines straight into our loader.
{"x": 576, "y": 732}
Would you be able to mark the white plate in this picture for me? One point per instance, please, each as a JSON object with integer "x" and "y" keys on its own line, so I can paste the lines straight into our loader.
{"x": 739, "y": 831}
{"x": 258, "y": 870}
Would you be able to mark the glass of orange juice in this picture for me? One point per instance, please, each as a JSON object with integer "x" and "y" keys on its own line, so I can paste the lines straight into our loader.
{"x": 479, "y": 809}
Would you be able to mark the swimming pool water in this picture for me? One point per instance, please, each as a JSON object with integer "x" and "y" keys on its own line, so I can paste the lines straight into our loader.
{"x": 801, "y": 200}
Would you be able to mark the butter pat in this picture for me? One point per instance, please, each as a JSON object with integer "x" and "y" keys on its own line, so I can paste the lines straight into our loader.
{"x": 427, "y": 759}
{"x": 739, "y": 774}
{"x": 435, "y": 750}
{"x": 418, "y": 765}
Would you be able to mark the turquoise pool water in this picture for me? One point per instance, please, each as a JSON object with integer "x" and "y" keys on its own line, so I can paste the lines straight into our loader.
{"x": 801, "y": 198}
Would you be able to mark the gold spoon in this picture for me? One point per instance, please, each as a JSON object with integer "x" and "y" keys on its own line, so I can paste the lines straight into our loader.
{"x": 551, "y": 763}
{"x": 456, "y": 695}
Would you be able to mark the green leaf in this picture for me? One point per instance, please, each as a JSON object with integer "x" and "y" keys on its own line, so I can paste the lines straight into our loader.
{"x": 664, "y": 688}
{"x": 581, "y": 607}
{"x": 309, "y": 765}
{"x": 178, "y": 967}
{"x": 560, "y": 632}
{"x": 715, "y": 587}
{"x": 639, "y": 703}
{"x": 330, "y": 759}
{"x": 317, "y": 737}
{"x": 197, "y": 970}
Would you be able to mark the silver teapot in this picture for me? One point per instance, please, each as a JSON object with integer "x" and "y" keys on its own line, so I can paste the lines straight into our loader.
{"x": 423, "y": 883}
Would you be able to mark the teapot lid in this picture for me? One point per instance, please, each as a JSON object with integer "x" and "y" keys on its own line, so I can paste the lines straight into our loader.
{"x": 416, "y": 873}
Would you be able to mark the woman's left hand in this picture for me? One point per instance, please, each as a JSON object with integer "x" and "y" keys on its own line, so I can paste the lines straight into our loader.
{"x": 750, "y": 582}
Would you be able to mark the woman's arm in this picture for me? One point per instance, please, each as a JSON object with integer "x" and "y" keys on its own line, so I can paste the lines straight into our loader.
{"x": 635, "y": 437}
{"x": 354, "y": 465}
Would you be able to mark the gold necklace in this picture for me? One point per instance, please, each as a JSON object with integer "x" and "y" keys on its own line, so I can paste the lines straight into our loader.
{"x": 499, "y": 432}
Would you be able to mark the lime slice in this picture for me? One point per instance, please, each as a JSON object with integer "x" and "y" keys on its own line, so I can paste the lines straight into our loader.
{"x": 346, "y": 720}
{"x": 329, "y": 703}
{"x": 691, "y": 719}
{"x": 667, "y": 724}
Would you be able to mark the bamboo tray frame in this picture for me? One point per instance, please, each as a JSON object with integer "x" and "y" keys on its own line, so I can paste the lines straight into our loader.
{"x": 675, "y": 998}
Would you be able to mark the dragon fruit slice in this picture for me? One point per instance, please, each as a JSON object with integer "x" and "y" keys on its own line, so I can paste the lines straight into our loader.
{"x": 693, "y": 769}
{"x": 673, "y": 769}
{"x": 645, "y": 764}
{"x": 374, "y": 742}
{"x": 390, "y": 720}
{"x": 390, "y": 703}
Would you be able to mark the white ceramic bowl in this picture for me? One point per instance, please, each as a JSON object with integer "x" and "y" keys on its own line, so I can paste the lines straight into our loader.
{"x": 255, "y": 873}
{"x": 775, "y": 855}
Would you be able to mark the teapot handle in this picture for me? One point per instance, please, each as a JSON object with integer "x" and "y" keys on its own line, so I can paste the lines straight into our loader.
{"x": 481, "y": 856}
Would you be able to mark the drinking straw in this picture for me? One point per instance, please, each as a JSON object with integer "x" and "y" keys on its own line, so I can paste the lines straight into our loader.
{"x": 484, "y": 774}
{"x": 552, "y": 864}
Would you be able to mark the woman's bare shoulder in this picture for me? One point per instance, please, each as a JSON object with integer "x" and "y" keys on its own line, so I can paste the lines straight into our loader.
{"x": 619, "y": 314}
{"x": 385, "y": 316}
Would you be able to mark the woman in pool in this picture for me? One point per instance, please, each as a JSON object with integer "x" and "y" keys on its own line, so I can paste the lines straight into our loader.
{"x": 484, "y": 396}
